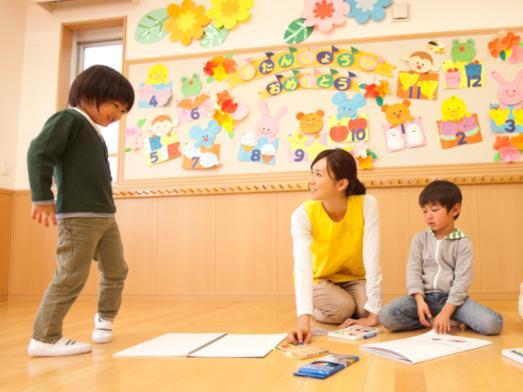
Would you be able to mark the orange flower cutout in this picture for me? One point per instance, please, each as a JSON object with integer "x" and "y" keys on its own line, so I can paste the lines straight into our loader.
{"x": 517, "y": 141}
{"x": 365, "y": 163}
{"x": 383, "y": 88}
{"x": 510, "y": 40}
{"x": 186, "y": 22}
{"x": 495, "y": 47}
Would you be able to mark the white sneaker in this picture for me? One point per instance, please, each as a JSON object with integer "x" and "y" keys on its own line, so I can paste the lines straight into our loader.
{"x": 103, "y": 329}
{"x": 60, "y": 348}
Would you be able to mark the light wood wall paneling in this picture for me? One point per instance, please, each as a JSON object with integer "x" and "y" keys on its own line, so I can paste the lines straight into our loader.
{"x": 240, "y": 244}
{"x": 6, "y": 219}
{"x": 138, "y": 223}
{"x": 499, "y": 242}
{"x": 287, "y": 203}
{"x": 186, "y": 243}
{"x": 246, "y": 238}
{"x": 32, "y": 251}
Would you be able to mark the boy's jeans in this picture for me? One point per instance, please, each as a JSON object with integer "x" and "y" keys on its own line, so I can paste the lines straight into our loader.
{"x": 402, "y": 314}
{"x": 79, "y": 241}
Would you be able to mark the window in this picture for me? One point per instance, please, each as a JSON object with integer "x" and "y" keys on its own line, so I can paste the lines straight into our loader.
{"x": 106, "y": 52}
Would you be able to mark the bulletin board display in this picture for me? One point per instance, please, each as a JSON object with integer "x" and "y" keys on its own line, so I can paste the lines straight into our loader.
{"x": 393, "y": 102}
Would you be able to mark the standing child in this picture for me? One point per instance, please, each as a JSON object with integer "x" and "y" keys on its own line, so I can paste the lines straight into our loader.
{"x": 439, "y": 272}
{"x": 71, "y": 146}
{"x": 336, "y": 243}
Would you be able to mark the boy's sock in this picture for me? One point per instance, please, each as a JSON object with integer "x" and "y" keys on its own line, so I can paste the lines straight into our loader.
{"x": 103, "y": 329}
{"x": 62, "y": 347}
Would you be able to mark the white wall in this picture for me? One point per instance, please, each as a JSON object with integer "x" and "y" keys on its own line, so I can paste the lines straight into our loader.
{"x": 12, "y": 22}
{"x": 37, "y": 101}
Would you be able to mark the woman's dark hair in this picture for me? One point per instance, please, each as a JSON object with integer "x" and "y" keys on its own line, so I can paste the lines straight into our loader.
{"x": 441, "y": 192}
{"x": 341, "y": 164}
{"x": 99, "y": 84}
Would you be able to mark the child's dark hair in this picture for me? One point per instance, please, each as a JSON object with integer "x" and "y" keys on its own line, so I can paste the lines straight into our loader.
{"x": 341, "y": 164}
{"x": 99, "y": 84}
{"x": 441, "y": 192}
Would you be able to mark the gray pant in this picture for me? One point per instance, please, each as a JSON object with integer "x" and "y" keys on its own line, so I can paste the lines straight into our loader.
{"x": 335, "y": 302}
{"x": 402, "y": 314}
{"x": 79, "y": 241}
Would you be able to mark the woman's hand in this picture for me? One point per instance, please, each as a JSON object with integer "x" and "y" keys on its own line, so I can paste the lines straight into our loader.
{"x": 370, "y": 321}
{"x": 303, "y": 333}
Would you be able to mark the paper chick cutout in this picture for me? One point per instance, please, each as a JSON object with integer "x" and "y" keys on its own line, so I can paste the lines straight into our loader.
{"x": 156, "y": 90}
{"x": 457, "y": 127}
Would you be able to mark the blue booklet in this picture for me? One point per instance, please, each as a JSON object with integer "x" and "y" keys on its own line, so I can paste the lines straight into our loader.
{"x": 326, "y": 366}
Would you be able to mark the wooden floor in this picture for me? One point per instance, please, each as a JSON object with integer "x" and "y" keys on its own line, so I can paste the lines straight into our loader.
{"x": 479, "y": 370}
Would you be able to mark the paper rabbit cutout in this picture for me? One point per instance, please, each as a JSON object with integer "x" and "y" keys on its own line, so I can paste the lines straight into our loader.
{"x": 509, "y": 93}
{"x": 268, "y": 126}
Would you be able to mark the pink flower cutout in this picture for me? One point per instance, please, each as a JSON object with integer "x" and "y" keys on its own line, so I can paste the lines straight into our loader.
{"x": 325, "y": 13}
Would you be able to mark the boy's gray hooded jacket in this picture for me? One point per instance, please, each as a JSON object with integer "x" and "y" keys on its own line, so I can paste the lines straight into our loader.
{"x": 443, "y": 266}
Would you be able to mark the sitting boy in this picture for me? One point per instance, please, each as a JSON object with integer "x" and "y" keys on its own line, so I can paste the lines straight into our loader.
{"x": 439, "y": 272}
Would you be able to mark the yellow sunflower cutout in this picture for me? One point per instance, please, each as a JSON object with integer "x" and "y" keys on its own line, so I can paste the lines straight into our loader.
{"x": 228, "y": 13}
{"x": 186, "y": 22}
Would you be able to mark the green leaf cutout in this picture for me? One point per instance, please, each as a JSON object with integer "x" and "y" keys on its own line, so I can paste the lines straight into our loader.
{"x": 141, "y": 122}
{"x": 297, "y": 31}
{"x": 213, "y": 36}
{"x": 150, "y": 27}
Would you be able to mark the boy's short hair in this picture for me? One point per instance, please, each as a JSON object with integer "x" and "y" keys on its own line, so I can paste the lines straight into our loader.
{"x": 99, "y": 84}
{"x": 441, "y": 192}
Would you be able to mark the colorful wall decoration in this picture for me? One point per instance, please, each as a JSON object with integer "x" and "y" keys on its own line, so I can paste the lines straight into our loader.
{"x": 215, "y": 104}
{"x": 421, "y": 82}
{"x": 325, "y": 15}
{"x": 507, "y": 116}
{"x": 506, "y": 46}
{"x": 404, "y": 130}
{"x": 457, "y": 127}
{"x": 464, "y": 70}
{"x": 187, "y": 21}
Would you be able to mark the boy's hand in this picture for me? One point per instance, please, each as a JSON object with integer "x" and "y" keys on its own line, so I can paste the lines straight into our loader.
{"x": 423, "y": 310}
{"x": 370, "y": 321}
{"x": 442, "y": 321}
{"x": 303, "y": 333}
{"x": 44, "y": 213}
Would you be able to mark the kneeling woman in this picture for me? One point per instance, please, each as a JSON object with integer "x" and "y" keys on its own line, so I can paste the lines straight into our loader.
{"x": 336, "y": 244}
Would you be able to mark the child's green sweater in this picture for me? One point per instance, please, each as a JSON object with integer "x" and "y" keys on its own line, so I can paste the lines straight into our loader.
{"x": 72, "y": 148}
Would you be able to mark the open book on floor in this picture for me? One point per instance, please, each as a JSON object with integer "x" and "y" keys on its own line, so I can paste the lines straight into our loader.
{"x": 424, "y": 347}
{"x": 211, "y": 345}
{"x": 516, "y": 354}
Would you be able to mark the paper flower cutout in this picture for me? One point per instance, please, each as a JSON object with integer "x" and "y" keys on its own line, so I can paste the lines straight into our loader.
{"x": 325, "y": 13}
{"x": 506, "y": 46}
{"x": 186, "y": 22}
{"x": 219, "y": 68}
{"x": 376, "y": 90}
{"x": 507, "y": 152}
{"x": 228, "y": 13}
{"x": 363, "y": 10}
